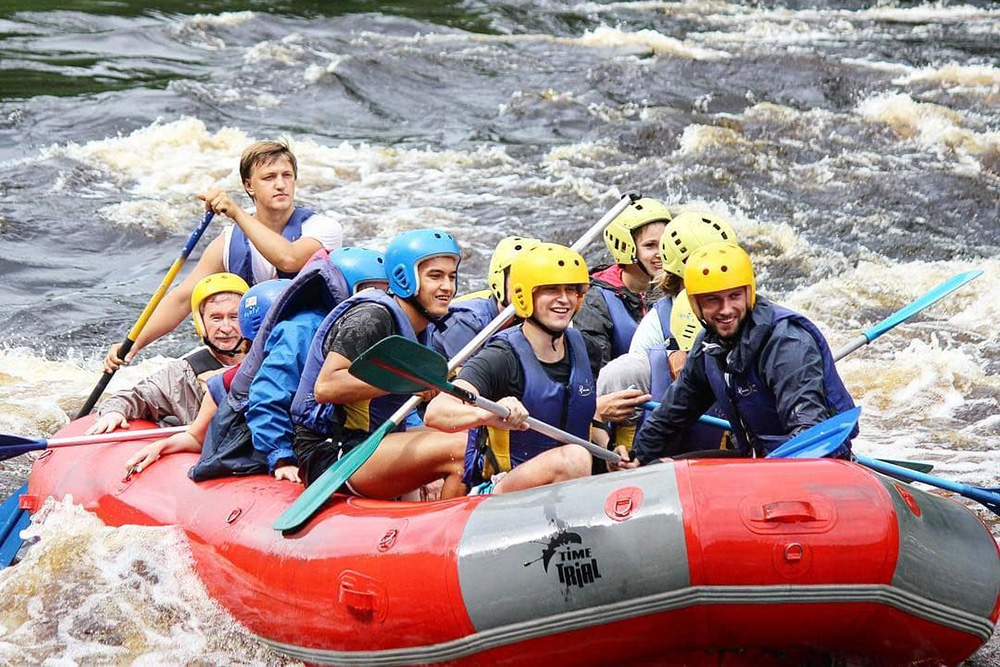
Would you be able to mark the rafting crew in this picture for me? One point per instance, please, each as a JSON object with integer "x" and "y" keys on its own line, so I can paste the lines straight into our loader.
{"x": 623, "y": 292}
{"x": 333, "y": 411}
{"x": 276, "y": 240}
{"x": 769, "y": 367}
{"x": 538, "y": 368}
{"x": 173, "y": 395}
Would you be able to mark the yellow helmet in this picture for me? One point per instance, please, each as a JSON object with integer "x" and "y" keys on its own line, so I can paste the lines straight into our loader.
{"x": 618, "y": 234}
{"x": 717, "y": 267}
{"x": 215, "y": 283}
{"x": 688, "y": 232}
{"x": 506, "y": 250}
{"x": 684, "y": 324}
{"x": 545, "y": 264}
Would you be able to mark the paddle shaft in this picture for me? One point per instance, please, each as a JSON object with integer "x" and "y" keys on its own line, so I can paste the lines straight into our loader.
{"x": 988, "y": 497}
{"x": 137, "y": 328}
{"x": 501, "y": 320}
{"x": 117, "y": 436}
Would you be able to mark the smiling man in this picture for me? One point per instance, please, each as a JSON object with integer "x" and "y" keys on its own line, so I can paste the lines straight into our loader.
{"x": 333, "y": 411}
{"x": 275, "y": 241}
{"x": 538, "y": 368}
{"x": 768, "y": 367}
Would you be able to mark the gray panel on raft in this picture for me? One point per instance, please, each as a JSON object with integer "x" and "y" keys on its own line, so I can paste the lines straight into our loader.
{"x": 945, "y": 554}
{"x": 555, "y": 549}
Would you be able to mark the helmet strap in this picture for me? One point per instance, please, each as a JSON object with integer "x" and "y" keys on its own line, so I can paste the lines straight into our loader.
{"x": 556, "y": 335}
{"x": 237, "y": 349}
{"x": 419, "y": 307}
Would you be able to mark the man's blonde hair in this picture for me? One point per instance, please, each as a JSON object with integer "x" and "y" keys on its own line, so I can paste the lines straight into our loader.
{"x": 263, "y": 153}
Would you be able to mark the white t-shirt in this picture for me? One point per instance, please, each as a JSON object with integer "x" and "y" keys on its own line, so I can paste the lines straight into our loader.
{"x": 321, "y": 227}
{"x": 648, "y": 334}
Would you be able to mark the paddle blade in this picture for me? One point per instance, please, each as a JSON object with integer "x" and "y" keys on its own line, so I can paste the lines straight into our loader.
{"x": 15, "y": 445}
{"x": 919, "y": 466}
{"x": 401, "y": 366}
{"x": 13, "y": 520}
{"x": 317, "y": 493}
{"x": 820, "y": 440}
{"x": 935, "y": 295}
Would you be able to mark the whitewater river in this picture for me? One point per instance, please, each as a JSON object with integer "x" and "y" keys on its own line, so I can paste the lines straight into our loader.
{"x": 855, "y": 149}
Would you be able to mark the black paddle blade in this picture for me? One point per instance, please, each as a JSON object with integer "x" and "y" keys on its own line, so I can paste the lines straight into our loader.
{"x": 399, "y": 365}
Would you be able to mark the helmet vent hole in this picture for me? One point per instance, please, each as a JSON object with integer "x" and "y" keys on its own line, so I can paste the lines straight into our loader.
{"x": 704, "y": 272}
{"x": 562, "y": 263}
{"x": 723, "y": 268}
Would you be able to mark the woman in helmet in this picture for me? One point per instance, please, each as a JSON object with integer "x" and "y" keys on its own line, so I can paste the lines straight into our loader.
{"x": 770, "y": 368}
{"x": 621, "y": 295}
{"x": 333, "y": 411}
{"x": 539, "y": 367}
{"x": 173, "y": 394}
{"x": 468, "y": 315}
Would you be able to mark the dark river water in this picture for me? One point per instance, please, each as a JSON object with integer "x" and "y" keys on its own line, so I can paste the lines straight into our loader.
{"x": 856, "y": 149}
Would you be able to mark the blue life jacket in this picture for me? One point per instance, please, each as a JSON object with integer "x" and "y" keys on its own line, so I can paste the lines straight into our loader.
{"x": 664, "y": 307}
{"x": 239, "y": 245}
{"x": 216, "y": 388}
{"x": 464, "y": 320}
{"x": 751, "y": 407}
{"x": 623, "y": 326}
{"x": 319, "y": 285}
{"x": 569, "y": 407}
{"x": 329, "y": 419}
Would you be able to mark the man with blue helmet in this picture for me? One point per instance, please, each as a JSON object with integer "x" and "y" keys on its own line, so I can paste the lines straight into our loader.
{"x": 333, "y": 411}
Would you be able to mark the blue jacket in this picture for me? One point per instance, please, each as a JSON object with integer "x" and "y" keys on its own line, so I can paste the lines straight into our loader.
{"x": 568, "y": 407}
{"x": 239, "y": 245}
{"x": 787, "y": 362}
{"x": 273, "y": 387}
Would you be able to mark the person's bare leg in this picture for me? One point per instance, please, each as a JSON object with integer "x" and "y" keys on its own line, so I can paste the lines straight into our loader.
{"x": 406, "y": 461}
{"x": 555, "y": 465}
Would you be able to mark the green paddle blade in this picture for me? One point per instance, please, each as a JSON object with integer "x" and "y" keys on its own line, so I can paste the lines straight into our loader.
{"x": 399, "y": 365}
{"x": 317, "y": 493}
{"x": 919, "y": 466}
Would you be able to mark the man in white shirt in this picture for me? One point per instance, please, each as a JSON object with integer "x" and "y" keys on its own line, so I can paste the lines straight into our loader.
{"x": 276, "y": 240}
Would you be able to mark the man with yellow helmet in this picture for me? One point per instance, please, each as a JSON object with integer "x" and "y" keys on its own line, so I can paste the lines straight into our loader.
{"x": 621, "y": 295}
{"x": 768, "y": 367}
{"x": 469, "y": 314}
{"x": 539, "y": 367}
{"x": 173, "y": 395}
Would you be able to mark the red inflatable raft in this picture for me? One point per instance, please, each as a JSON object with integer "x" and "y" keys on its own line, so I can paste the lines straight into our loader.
{"x": 694, "y": 562}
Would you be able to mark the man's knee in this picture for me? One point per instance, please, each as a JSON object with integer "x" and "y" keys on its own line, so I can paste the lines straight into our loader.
{"x": 576, "y": 461}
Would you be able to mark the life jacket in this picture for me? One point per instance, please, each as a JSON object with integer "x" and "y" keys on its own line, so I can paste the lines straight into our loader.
{"x": 203, "y": 364}
{"x": 569, "y": 407}
{"x": 319, "y": 285}
{"x": 240, "y": 261}
{"x": 664, "y": 307}
{"x": 228, "y": 448}
{"x": 464, "y": 320}
{"x": 751, "y": 407}
{"x": 328, "y": 419}
{"x": 623, "y": 326}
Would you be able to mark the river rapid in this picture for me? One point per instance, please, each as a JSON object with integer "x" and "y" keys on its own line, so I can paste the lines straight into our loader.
{"x": 854, "y": 146}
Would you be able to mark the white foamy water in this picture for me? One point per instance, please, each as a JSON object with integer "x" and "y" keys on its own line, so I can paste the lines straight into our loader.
{"x": 86, "y": 593}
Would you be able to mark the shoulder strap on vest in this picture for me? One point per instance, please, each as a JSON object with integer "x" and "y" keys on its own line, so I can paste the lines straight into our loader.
{"x": 201, "y": 360}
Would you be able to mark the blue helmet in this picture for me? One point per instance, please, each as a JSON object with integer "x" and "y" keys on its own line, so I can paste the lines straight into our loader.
{"x": 405, "y": 252}
{"x": 256, "y": 302}
{"x": 359, "y": 265}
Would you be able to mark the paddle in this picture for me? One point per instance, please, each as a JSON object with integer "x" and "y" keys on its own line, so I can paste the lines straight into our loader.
{"x": 819, "y": 440}
{"x": 307, "y": 504}
{"x": 15, "y": 445}
{"x": 402, "y": 366}
{"x": 13, "y": 522}
{"x": 154, "y": 301}
{"x": 908, "y": 311}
